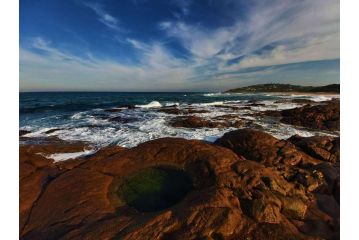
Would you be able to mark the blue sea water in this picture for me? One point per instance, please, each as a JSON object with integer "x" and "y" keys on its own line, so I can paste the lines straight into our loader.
{"x": 84, "y": 116}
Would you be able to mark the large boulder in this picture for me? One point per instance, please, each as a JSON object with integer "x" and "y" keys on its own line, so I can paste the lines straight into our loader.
{"x": 324, "y": 116}
{"x": 263, "y": 147}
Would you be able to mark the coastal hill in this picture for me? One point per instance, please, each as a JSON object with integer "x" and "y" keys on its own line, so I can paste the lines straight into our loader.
{"x": 332, "y": 88}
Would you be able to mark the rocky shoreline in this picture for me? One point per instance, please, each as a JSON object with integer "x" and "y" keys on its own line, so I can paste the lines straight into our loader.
{"x": 246, "y": 185}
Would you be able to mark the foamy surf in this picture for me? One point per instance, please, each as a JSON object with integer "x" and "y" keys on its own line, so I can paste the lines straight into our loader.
{"x": 57, "y": 157}
{"x": 130, "y": 127}
{"x": 153, "y": 104}
{"x": 210, "y": 103}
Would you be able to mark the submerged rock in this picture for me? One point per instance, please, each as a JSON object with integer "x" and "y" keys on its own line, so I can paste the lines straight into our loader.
{"x": 177, "y": 111}
{"x": 23, "y": 132}
{"x": 114, "y": 110}
{"x": 296, "y": 100}
{"x": 120, "y": 119}
{"x": 198, "y": 122}
{"x": 170, "y": 110}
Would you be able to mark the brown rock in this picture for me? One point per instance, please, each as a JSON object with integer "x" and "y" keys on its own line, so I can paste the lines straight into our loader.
{"x": 271, "y": 113}
{"x": 323, "y": 117}
{"x": 53, "y": 130}
{"x": 191, "y": 122}
{"x": 99, "y": 196}
{"x": 72, "y": 199}
{"x": 23, "y": 132}
{"x": 170, "y": 110}
{"x": 229, "y": 107}
{"x": 177, "y": 111}
{"x": 198, "y": 122}
{"x": 264, "y": 148}
{"x": 320, "y": 147}
{"x": 296, "y": 100}
{"x": 294, "y": 208}
{"x": 114, "y": 110}
{"x": 195, "y": 110}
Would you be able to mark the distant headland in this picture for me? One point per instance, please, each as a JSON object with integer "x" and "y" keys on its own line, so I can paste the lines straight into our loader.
{"x": 271, "y": 87}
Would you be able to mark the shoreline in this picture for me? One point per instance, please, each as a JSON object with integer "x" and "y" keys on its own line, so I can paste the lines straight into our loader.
{"x": 294, "y": 93}
{"x": 247, "y": 177}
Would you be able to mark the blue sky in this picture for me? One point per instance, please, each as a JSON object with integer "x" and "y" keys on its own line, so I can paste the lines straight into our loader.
{"x": 176, "y": 45}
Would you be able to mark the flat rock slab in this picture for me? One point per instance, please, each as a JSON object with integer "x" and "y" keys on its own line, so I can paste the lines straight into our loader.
{"x": 240, "y": 190}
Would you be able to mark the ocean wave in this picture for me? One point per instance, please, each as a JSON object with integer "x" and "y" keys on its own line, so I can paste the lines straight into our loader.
{"x": 322, "y": 98}
{"x": 78, "y": 115}
{"x": 96, "y": 127}
{"x": 153, "y": 104}
{"x": 277, "y": 106}
{"x": 213, "y": 94}
{"x": 211, "y": 103}
{"x": 171, "y": 104}
{"x": 235, "y": 101}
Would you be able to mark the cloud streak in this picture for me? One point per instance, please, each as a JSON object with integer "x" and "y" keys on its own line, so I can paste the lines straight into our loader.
{"x": 253, "y": 48}
{"x": 104, "y": 17}
{"x": 55, "y": 66}
{"x": 298, "y": 26}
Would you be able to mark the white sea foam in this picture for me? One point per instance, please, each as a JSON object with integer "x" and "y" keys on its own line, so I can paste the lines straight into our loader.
{"x": 213, "y": 94}
{"x": 151, "y": 124}
{"x": 210, "y": 104}
{"x": 234, "y": 101}
{"x": 57, "y": 157}
{"x": 78, "y": 115}
{"x": 153, "y": 104}
{"x": 322, "y": 98}
{"x": 276, "y": 106}
{"x": 40, "y": 132}
{"x": 172, "y": 104}
{"x": 100, "y": 136}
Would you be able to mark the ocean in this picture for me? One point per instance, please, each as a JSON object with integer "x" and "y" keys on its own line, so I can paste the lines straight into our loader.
{"x": 103, "y": 118}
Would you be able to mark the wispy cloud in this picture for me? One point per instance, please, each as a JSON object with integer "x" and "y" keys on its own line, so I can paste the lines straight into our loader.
{"x": 183, "y": 5}
{"x": 104, "y": 17}
{"x": 158, "y": 68}
{"x": 272, "y": 33}
{"x": 298, "y": 30}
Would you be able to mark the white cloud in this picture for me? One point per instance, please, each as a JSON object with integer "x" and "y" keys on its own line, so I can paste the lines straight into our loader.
{"x": 314, "y": 23}
{"x": 184, "y": 5}
{"x": 200, "y": 42}
{"x": 297, "y": 31}
{"x": 104, "y": 17}
{"x": 158, "y": 70}
{"x": 312, "y": 49}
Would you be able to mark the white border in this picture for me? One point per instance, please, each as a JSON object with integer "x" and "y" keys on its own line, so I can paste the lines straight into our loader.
{"x": 9, "y": 99}
{"x": 349, "y": 78}
{"x": 10, "y": 109}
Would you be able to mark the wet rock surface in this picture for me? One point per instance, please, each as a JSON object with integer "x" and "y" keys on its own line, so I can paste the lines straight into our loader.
{"x": 323, "y": 148}
{"x": 182, "y": 111}
{"x": 23, "y": 132}
{"x": 248, "y": 185}
{"x": 199, "y": 122}
{"x": 296, "y": 100}
{"x": 324, "y": 117}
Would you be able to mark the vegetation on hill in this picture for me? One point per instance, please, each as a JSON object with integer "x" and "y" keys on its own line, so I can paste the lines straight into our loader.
{"x": 332, "y": 88}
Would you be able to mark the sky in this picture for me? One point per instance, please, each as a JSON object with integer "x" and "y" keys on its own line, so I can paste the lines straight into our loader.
{"x": 177, "y": 45}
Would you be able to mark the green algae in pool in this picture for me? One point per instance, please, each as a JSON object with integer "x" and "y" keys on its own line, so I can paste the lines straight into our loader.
{"x": 155, "y": 189}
